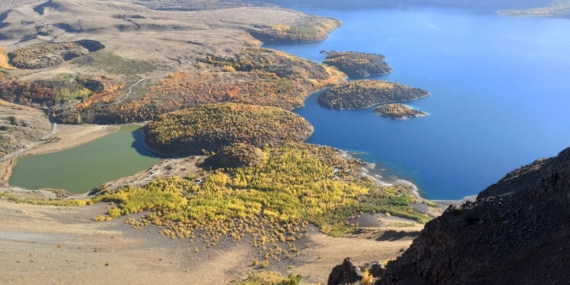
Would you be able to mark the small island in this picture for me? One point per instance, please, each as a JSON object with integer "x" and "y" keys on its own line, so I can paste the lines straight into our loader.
{"x": 358, "y": 64}
{"x": 208, "y": 128}
{"x": 398, "y": 112}
{"x": 362, "y": 94}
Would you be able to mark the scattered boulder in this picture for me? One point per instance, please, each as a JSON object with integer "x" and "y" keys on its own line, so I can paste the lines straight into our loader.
{"x": 346, "y": 273}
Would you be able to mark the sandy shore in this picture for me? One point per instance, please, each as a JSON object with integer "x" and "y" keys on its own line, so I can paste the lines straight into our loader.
{"x": 70, "y": 136}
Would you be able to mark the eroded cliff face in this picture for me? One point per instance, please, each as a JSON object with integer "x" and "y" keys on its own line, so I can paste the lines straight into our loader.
{"x": 516, "y": 232}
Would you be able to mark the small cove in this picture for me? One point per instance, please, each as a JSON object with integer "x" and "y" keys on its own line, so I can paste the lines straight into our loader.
{"x": 80, "y": 169}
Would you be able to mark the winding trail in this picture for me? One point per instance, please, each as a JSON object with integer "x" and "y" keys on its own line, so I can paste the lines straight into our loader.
{"x": 128, "y": 93}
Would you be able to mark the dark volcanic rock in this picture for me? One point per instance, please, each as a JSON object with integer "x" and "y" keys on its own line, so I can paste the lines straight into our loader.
{"x": 350, "y": 273}
{"x": 516, "y": 232}
{"x": 346, "y": 273}
{"x": 358, "y": 64}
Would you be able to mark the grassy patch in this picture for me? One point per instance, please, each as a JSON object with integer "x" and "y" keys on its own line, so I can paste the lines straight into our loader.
{"x": 432, "y": 204}
{"x": 114, "y": 64}
{"x": 4, "y": 61}
{"x": 46, "y": 202}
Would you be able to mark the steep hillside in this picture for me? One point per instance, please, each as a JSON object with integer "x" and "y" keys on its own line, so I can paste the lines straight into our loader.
{"x": 516, "y": 232}
{"x": 20, "y": 126}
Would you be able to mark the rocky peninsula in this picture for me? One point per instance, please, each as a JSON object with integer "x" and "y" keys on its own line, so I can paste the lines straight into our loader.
{"x": 362, "y": 94}
{"x": 358, "y": 64}
{"x": 398, "y": 112}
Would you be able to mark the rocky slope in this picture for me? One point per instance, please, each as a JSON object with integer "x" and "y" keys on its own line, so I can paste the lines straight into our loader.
{"x": 516, "y": 232}
{"x": 20, "y": 126}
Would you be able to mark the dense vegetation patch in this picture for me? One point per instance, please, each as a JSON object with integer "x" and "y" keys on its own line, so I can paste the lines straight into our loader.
{"x": 362, "y": 94}
{"x": 272, "y": 202}
{"x": 51, "y": 54}
{"x": 237, "y": 155}
{"x": 310, "y": 29}
{"x": 62, "y": 88}
{"x": 398, "y": 111}
{"x": 358, "y": 64}
{"x": 4, "y": 61}
{"x": 210, "y": 127}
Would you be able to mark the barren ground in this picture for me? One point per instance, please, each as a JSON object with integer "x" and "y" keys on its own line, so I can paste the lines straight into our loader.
{"x": 64, "y": 246}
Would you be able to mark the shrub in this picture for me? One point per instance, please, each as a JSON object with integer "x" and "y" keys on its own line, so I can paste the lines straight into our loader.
{"x": 367, "y": 279}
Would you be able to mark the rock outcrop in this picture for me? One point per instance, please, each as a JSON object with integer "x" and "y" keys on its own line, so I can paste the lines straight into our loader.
{"x": 516, "y": 232}
{"x": 350, "y": 273}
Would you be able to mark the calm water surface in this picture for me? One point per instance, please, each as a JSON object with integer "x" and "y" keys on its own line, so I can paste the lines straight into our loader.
{"x": 83, "y": 168}
{"x": 500, "y": 93}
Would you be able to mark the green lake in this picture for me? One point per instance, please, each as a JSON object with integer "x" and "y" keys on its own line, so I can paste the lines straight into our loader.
{"x": 80, "y": 169}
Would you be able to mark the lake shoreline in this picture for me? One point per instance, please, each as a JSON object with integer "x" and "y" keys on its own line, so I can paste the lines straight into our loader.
{"x": 71, "y": 136}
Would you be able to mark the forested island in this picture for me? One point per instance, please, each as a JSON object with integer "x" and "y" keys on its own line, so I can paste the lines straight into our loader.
{"x": 362, "y": 94}
{"x": 358, "y": 64}
{"x": 398, "y": 112}
{"x": 208, "y": 128}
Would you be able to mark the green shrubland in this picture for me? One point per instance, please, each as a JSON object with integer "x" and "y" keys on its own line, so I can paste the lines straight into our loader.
{"x": 294, "y": 185}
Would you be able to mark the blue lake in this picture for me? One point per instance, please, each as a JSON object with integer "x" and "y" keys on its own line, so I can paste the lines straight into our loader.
{"x": 500, "y": 92}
